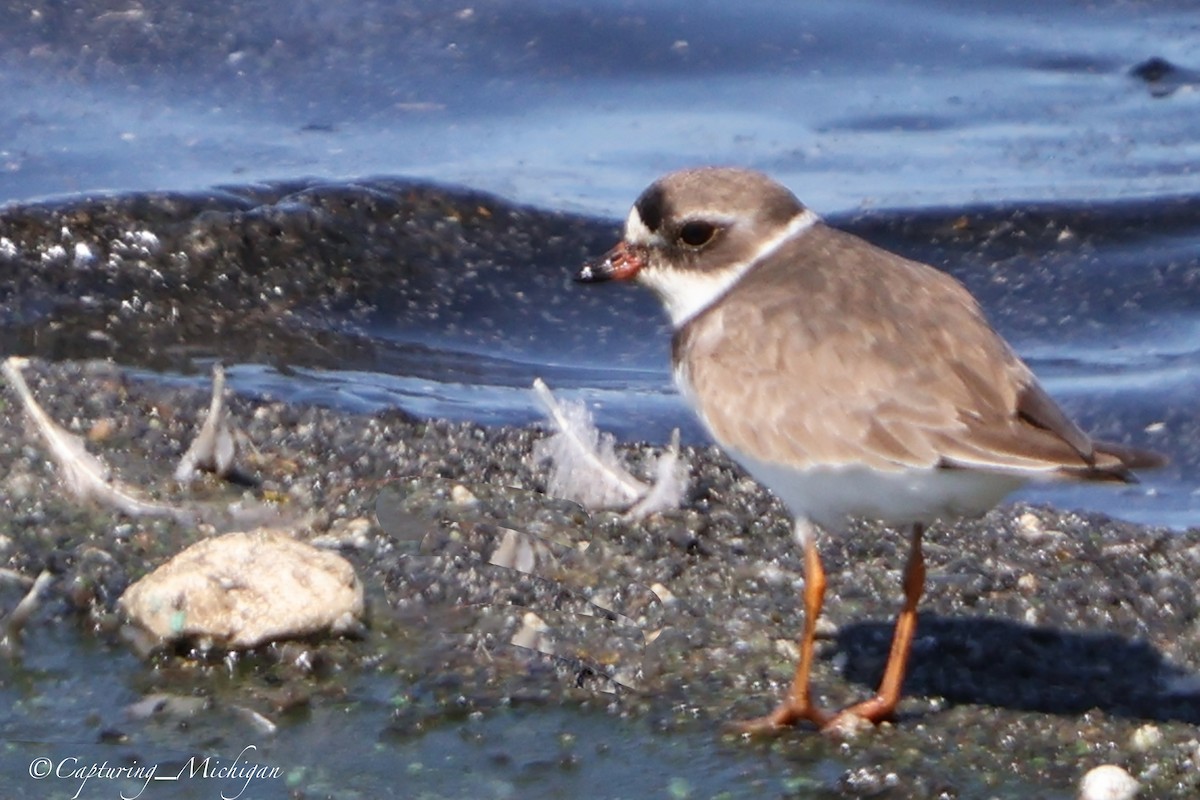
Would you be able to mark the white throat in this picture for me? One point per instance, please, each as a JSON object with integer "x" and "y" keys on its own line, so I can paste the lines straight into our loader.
{"x": 685, "y": 293}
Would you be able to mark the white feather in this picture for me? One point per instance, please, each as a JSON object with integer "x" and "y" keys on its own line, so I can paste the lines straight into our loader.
{"x": 215, "y": 446}
{"x": 583, "y": 463}
{"x": 585, "y": 468}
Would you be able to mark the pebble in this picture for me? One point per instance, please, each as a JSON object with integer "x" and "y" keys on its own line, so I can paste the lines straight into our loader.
{"x": 663, "y": 593}
{"x": 462, "y": 496}
{"x": 1108, "y": 782}
{"x": 1146, "y": 738}
{"x": 1029, "y": 524}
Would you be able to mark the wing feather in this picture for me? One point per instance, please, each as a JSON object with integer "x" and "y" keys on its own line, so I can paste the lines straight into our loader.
{"x": 890, "y": 365}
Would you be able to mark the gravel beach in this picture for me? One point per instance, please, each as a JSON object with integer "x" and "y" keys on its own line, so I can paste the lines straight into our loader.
{"x": 1049, "y": 642}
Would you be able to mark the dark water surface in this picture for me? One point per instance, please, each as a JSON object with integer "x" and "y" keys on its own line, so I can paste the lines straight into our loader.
{"x": 505, "y": 753}
{"x": 578, "y": 105}
{"x": 1046, "y": 154}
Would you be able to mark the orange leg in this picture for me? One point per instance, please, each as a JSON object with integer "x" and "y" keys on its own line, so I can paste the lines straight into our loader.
{"x": 797, "y": 704}
{"x": 883, "y": 704}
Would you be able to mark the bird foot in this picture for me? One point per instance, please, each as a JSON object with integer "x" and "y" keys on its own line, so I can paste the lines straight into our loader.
{"x": 845, "y": 724}
{"x": 786, "y": 715}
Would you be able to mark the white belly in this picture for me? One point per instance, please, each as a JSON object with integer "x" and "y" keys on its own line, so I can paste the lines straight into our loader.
{"x": 831, "y": 496}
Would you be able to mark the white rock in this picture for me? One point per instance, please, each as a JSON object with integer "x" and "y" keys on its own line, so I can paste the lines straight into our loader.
{"x": 54, "y": 254}
{"x": 83, "y": 255}
{"x": 1108, "y": 782}
{"x": 145, "y": 239}
{"x": 1146, "y": 738}
{"x": 663, "y": 594}
{"x": 462, "y": 496}
{"x": 1030, "y": 524}
{"x": 244, "y": 589}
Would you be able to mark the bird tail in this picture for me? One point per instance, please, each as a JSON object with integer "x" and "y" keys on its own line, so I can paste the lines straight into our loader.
{"x": 1116, "y": 462}
{"x": 1132, "y": 457}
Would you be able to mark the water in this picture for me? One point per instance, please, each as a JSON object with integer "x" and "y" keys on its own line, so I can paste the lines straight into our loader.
{"x": 80, "y": 720}
{"x": 578, "y": 105}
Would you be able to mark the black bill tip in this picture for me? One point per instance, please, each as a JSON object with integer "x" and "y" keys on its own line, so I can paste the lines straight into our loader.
{"x": 595, "y": 273}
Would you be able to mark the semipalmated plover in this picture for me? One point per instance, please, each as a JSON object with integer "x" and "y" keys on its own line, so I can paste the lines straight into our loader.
{"x": 849, "y": 380}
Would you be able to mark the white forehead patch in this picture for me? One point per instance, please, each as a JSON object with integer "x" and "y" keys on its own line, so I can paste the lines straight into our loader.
{"x": 636, "y": 231}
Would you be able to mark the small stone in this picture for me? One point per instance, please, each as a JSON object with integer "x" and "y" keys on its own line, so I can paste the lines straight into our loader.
{"x": 868, "y": 781}
{"x": 1108, "y": 782}
{"x": 1030, "y": 524}
{"x": 847, "y": 728}
{"x": 532, "y": 634}
{"x": 826, "y": 628}
{"x": 773, "y": 575}
{"x": 1146, "y": 738}
{"x": 83, "y": 255}
{"x": 102, "y": 430}
{"x": 174, "y": 706}
{"x": 787, "y": 648}
{"x": 19, "y": 485}
{"x": 244, "y": 589}
{"x": 663, "y": 593}
{"x": 1031, "y": 529}
{"x": 462, "y": 496}
{"x": 350, "y": 534}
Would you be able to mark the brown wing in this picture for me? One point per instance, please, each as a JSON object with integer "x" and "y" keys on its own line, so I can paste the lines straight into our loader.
{"x": 879, "y": 361}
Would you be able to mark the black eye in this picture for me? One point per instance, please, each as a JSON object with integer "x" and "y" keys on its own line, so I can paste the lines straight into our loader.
{"x": 697, "y": 233}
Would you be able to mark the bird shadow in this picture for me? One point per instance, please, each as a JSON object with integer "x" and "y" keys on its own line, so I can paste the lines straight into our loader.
{"x": 1007, "y": 664}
